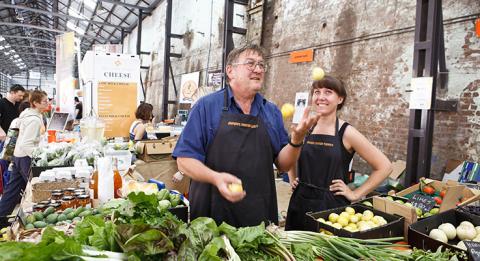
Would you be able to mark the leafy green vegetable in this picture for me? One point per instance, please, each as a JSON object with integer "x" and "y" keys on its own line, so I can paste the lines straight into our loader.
{"x": 94, "y": 231}
{"x": 142, "y": 241}
{"x": 199, "y": 233}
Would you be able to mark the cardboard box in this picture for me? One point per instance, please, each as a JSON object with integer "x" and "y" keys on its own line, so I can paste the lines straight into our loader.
{"x": 155, "y": 150}
{"x": 163, "y": 171}
{"x": 418, "y": 232}
{"x": 395, "y": 208}
{"x": 452, "y": 195}
{"x": 469, "y": 195}
{"x": 393, "y": 228}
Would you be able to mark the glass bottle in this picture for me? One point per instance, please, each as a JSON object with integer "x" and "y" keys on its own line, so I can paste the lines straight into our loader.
{"x": 117, "y": 180}
{"x": 94, "y": 182}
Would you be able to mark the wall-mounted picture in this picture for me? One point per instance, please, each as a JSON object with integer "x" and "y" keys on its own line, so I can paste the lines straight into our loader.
{"x": 189, "y": 88}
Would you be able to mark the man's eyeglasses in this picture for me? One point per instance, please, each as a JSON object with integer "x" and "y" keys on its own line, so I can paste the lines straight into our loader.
{"x": 251, "y": 65}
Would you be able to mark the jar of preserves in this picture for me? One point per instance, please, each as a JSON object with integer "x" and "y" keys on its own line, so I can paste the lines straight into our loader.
{"x": 39, "y": 207}
{"x": 56, "y": 196}
{"x": 79, "y": 191}
{"x": 84, "y": 200}
{"x": 69, "y": 191}
{"x": 57, "y": 191}
{"x": 56, "y": 205}
{"x": 68, "y": 202}
{"x": 44, "y": 202}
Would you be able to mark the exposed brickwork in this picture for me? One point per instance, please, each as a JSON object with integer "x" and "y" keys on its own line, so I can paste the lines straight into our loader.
{"x": 377, "y": 71}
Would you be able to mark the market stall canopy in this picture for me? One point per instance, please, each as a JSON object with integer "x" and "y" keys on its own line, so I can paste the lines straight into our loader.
{"x": 28, "y": 28}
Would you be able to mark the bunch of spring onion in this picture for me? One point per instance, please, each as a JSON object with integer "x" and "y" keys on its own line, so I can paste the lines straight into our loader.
{"x": 339, "y": 248}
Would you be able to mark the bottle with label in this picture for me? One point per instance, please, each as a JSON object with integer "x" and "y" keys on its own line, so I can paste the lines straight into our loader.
{"x": 117, "y": 180}
{"x": 94, "y": 182}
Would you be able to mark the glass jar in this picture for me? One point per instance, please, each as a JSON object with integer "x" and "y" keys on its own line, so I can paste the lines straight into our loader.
{"x": 68, "y": 202}
{"x": 69, "y": 192}
{"x": 79, "y": 191}
{"x": 39, "y": 207}
{"x": 57, "y": 191}
{"x": 44, "y": 202}
{"x": 56, "y": 205}
{"x": 56, "y": 196}
{"x": 84, "y": 201}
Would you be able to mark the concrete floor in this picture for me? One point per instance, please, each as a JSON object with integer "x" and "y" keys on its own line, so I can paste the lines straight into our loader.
{"x": 284, "y": 192}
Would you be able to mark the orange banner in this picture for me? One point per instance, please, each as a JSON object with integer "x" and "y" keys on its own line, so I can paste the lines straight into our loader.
{"x": 301, "y": 56}
{"x": 117, "y": 102}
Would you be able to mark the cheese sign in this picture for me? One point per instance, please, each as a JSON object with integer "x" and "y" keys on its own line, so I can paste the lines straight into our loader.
{"x": 425, "y": 203}
{"x": 473, "y": 250}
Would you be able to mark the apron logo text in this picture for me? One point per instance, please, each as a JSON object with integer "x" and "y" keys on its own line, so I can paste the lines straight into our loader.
{"x": 246, "y": 125}
{"x": 326, "y": 144}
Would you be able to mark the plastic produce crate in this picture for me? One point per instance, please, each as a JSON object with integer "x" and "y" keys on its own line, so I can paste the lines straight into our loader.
{"x": 418, "y": 232}
{"x": 393, "y": 228}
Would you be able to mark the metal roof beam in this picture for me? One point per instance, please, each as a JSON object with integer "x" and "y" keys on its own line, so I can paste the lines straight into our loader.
{"x": 34, "y": 47}
{"x": 22, "y": 7}
{"x": 115, "y": 2}
{"x": 52, "y": 30}
{"x": 28, "y": 38}
{"x": 38, "y": 54}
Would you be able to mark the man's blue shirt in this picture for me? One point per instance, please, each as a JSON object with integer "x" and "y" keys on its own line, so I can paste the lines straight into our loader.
{"x": 204, "y": 120}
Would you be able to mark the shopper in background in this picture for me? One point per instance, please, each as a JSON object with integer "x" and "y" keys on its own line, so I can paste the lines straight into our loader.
{"x": 9, "y": 109}
{"x": 235, "y": 136}
{"x": 143, "y": 116}
{"x": 30, "y": 125}
{"x": 78, "y": 109}
{"x": 321, "y": 175}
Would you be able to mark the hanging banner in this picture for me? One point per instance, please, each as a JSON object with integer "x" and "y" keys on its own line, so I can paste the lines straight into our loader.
{"x": 112, "y": 89}
{"x": 115, "y": 109}
{"x": 65, "y": 65}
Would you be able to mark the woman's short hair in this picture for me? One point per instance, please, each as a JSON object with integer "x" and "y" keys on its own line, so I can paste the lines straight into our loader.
{"x": 36, "y": 96}
{"x": 144, "y": 112}
{"x": 333, "y": 84}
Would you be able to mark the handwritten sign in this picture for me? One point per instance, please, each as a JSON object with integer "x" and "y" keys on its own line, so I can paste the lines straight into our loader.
{"x": 473, "y": 250}
{"x": 301, "y": 56}
{"x": 425, "y": 203}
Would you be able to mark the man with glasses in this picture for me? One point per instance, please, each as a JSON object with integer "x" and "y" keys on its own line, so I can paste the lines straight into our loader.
{"x": 234, "y": 136}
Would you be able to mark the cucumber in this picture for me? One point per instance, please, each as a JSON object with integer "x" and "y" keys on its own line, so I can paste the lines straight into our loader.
{"x": 61, "y": 217}
{"x": 39, "y": 224}
{"x": 29, "y": 226}
{"x": 38, "y": 216}
{"x": 52, "y": 218}
{"x": 67, "y": 211}
{"x": 78, "y": 211}
{"x": 85, "y": 213}
{"x": 71, "y": 215}
{"x": 30, "y": 219}
{"x": 48, "y": 211}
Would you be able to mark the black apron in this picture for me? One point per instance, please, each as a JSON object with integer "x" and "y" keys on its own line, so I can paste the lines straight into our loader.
{"x": 323, "y": 158}
{"x": 242, "y": 148}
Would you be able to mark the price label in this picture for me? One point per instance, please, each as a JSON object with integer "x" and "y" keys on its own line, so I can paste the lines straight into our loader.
{"x": 473, "y": 250}
{"x": 425, "y": 203}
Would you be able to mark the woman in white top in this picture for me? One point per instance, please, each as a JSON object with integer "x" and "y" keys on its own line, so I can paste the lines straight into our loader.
{"x": 144, "y": 116}
{"x": 30, "y": 126}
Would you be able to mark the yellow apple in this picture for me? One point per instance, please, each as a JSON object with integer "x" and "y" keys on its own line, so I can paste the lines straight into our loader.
{"x": 235, "y": 187}
{"x": 287, "y": 110}
{"x": 317, "y": 74}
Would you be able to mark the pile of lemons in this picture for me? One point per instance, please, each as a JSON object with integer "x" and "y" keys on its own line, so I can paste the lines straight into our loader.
{"x": 354, "y": 222}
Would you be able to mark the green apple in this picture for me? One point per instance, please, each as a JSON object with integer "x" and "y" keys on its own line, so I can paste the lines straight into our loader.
{"x": 419, "y": 211}
{"x": 408, "y": 204}
{"x": 389, "y": 198}
{"x": 434, "y": 211}
{"x": 399, "y": 201}
{"x": 367, "y": 203}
